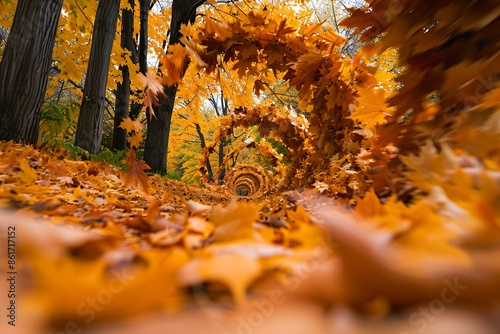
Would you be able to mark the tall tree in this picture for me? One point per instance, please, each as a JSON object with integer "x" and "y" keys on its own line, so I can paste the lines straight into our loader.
{"x": 155, "y": 151}
{"x": 136, "y": 108}
{"x": 89, "y": 127}
{"x": 143, "y": 37}
{"x": 123, "y": 88}
{"x": 24, "y": 68}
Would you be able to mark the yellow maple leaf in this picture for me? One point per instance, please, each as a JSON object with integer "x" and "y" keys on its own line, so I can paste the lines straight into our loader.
{"x": 369, "y": 206}
{"x": 28, "y": 174}
{"x": 235, "y": 271}
{"x": 371, "y": 108}
{"x": 131, "y": 125}
{"x": 235, "y": 221}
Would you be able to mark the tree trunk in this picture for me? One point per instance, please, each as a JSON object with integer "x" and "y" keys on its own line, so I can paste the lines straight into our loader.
{"x": 136, "y": 108}
{"x": 143, "y": 40}
{"x": 24, "y": 68}
{"x": 123, "y": 88}
{"x": 155, "y": 152}
{"x": 221, "y": 111}
{"x": 210, "y": 173}
{"x": 89, "y": 127}
{"x": 222, "y": 173}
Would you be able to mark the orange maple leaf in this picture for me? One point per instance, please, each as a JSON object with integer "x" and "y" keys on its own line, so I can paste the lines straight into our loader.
{"x": 136, "y": 171}
{"x": 152, "y": 83}
{"x": 135, "y": 139}
{"x": 174, "y": 65}
{"x": 153, "y": 88}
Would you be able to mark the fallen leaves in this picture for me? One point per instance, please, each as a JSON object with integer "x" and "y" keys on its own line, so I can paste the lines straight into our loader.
{"x": 142, "y": 256}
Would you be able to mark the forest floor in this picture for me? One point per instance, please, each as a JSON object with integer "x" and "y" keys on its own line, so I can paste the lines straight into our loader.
{"x": 90, "y": 253}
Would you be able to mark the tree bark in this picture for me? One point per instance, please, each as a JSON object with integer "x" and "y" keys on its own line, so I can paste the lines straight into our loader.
{"x": 221, "y": 111}
{"x": 210, "y": 173}
{"x": 136, "y": 108}
{"x": 156, "y": 149}
{"x": 123, "y": 88}
{"x": 24, "y": 68}
{"x": 143, "y": 40}
{"x": 222, "y": 173}
{"x": 89, "y": 127}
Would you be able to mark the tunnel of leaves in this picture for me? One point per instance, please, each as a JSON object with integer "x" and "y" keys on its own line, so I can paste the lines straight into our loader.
{"x": 282, "y": 124}
{"x": 247, "y": 180}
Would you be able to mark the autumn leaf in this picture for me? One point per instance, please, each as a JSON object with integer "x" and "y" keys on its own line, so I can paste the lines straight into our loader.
{"x": 235, "y": 271}
{"x": 258, "y": 87}
{"x": 153, "y": 89}
{"x": 150, "y": 82}
{"x": 135, "y": 139}
{"x": 234, "y": 222}
{"x": 369, "y": 206}
{"x": 131, "y": 125}
{"x": 136, "y": 171}
{"x": 28, "y": 174}
{"x": 174, "y": 65}
{"x": 371, "y": 109}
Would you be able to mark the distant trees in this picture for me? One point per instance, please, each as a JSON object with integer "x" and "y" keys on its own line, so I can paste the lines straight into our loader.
{"x": 24, "y": 68}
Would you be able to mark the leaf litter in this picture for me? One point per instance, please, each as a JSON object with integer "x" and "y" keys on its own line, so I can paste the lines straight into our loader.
{"x": 96, "y": 253}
